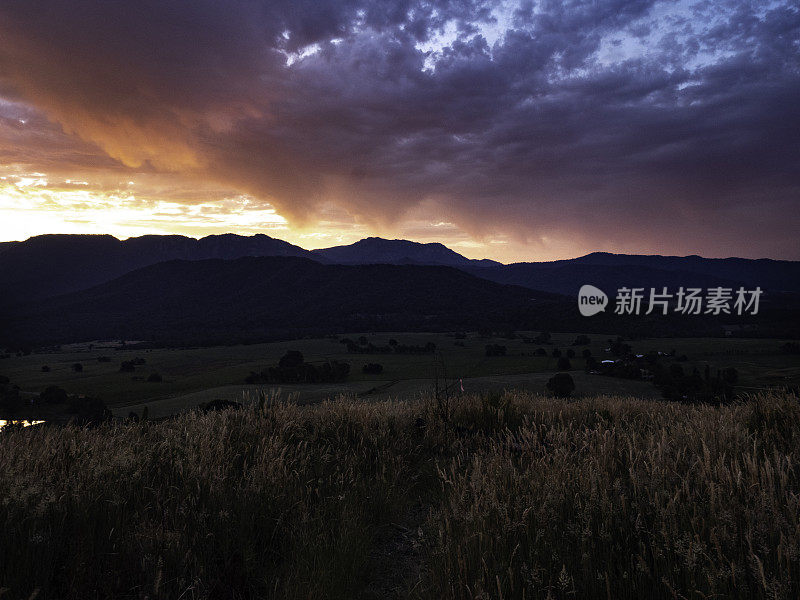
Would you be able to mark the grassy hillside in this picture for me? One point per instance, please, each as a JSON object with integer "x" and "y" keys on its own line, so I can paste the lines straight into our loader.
{"x": 499, "y": 496}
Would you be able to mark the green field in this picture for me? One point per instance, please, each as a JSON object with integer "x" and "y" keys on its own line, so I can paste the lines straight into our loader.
{"x": 195, "y": 375}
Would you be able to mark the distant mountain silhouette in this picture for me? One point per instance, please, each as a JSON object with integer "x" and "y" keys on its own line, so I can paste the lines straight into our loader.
{"x": 48, "y": 265}
{"x": 610, "y": 272}
{"x": 375, "y": 250}
{"x": 257, "y": 298}
{"x": 568, "y": 278}
{"x": 249, "y": 299}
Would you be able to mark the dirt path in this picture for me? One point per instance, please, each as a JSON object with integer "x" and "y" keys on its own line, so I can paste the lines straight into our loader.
{"x": 395, "y": 568}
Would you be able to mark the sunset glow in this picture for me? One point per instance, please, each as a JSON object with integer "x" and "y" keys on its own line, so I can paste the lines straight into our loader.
{"x": 508, "y": 131}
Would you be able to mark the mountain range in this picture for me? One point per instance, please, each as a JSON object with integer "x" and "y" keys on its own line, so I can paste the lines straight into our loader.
{"x": 50, "y": 265}
{"x": 375, "y": 250}
{"x": 60, "y": 287}
{"x": 219, "y": 301}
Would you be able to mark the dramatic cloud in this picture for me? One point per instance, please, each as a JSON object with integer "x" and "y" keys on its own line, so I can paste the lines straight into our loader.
{"x": 553, "y": 127}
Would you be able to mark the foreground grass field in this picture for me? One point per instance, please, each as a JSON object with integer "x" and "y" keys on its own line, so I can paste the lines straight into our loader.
{"x": 494, "y": 496}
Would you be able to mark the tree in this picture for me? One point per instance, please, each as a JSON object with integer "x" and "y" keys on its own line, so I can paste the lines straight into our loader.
{"x": 791, "y": 348}
{"x": 10, "y": 399}
{"x": 570, "y": 353}
{"x": 619, "y": 348}
{"x": 495, "y": 350}
{"x": 219, "y": 404}
{"x": 53, "y": 395}
{"x": 89, "y": 411}
{"x": 730, "y": 375}
{"x": 290, "y": 360}
{"x": 561, "y": 385}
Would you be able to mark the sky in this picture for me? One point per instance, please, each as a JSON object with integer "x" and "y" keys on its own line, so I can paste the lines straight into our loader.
{"x": 506, "y": 130}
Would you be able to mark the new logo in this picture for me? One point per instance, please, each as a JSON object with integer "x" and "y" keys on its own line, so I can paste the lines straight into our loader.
{"x": 591, "y": 300}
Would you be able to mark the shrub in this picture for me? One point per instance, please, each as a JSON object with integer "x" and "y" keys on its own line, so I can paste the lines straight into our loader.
{"x": 10, "y": 399}
{"x": 45, "y": 369}
{"x": 218, "y": 404}
{"x": 291, "y": 360}
{"x": 88, "y": 410}
{"x": 53, "y": 394}
{"x": 77, "y": 367}
{"x": 561, "y": 385}
{"x": 564, "y": 364}
{"x": 791, "y": 348}
{"x": 154, "y": 378}
{"x": 292, "y": 372}
{"x": 495, "y": 350}
{"x": 372, "y": 369}
{"x": 730, "y": 375}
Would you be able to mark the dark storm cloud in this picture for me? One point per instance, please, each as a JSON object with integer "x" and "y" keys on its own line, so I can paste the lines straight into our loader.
{"x": 625, "y": 123}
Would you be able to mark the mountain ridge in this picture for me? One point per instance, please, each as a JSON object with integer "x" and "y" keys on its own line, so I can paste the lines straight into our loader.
{"x": 259, "y": 297}
{"x": 377, "y": 250}
{"x": 55, "y": 264}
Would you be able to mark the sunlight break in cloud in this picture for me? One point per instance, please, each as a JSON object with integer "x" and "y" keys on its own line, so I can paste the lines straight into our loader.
{"x": 637, "y": 125}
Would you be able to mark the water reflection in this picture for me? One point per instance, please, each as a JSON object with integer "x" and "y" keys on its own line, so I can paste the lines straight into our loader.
{"x": 23, "y": 423}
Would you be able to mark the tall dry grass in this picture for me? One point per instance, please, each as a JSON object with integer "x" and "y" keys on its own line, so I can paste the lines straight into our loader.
{"x": 521, "y": 497}
{"x": 613, "y": 498}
